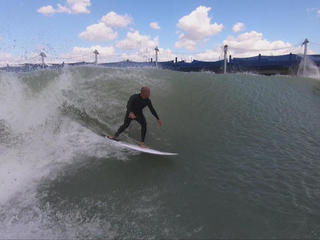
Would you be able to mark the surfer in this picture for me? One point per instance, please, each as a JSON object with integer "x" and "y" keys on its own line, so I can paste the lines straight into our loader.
{"x": 135, "y": 105}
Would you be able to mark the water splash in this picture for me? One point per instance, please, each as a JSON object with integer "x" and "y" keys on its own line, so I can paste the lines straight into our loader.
{"x": 311, "y": 70}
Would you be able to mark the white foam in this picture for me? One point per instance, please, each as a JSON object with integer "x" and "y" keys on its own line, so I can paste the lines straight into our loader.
{"x": 41, "y": 143}
{"x": 311, "y": 70}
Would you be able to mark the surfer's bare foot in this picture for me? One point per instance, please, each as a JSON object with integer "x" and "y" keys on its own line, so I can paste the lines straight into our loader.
{"x": 112, "y": 138}
{"x": 142, "y": 145}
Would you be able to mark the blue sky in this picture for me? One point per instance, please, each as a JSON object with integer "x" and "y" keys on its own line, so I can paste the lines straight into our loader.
{"x": 188, "y": 28}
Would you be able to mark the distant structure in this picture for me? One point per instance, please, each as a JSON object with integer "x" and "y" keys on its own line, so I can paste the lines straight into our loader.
{"x": 42, "y": 55}
{"x": 225, "y": 58}
{"x": 305, "y": 43}
{"x": 156, "y": 50}
{"x": 96, "y": 53}
{"x": 288, "y": 64}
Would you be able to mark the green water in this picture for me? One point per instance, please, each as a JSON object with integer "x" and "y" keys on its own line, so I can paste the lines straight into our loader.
{"x": 248, "y": 163}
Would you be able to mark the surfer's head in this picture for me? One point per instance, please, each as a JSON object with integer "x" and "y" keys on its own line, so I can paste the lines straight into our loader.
{"x": 145, "y": 92}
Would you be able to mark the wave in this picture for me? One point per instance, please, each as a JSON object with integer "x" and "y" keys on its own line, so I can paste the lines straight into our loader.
{"x": 59, "y": 178}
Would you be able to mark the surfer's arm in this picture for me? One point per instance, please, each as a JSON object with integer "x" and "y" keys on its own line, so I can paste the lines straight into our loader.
{"x": 152, "y": 110}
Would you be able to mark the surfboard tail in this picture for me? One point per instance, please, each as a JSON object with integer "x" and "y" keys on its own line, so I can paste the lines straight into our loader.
{"x": 140, "y": 149}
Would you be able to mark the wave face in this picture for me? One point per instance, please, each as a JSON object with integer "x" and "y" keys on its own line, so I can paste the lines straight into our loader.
{"x": 248, "y": 163}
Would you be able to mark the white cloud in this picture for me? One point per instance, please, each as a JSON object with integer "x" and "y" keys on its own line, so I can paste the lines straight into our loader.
{"x": 253, "y": 43}
{"x": 5, "y": 58}
{"x": 249, "y": 44}
{"x": 79, "y": 54}
{"x": 197, "y": 24}
{"x": 196, "y": 27}
{"x": 103, "y": 31}
{"x": 102, "y": 50}
{"x": 166, "y": 55}
{"x": 238, "y": 27}
{"x": 113, "y": 19}
{"x": 154, "y": 25}
{"x": 145, "y": 55}
{"x": 46, "y": 10}
{"x": 98, "y": 33}
{"x": 209, "y": 55}
{"x": 8, "y": 58}
{"x": 139, "y": 56}
{"x": 186, "y": 43}
{"x": 78, "y": 6}
{"x": 135, "y": 40}
{"x": 63, "y": 9}
{"x": 318, "y": 12}
{"x": 71, "y": 7}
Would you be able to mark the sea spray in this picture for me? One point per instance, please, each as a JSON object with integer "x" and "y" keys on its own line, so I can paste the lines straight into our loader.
{"x": 311, "y": 70}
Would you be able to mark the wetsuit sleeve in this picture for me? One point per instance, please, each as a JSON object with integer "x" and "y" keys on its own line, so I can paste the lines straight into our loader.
{"x": 152, "y": 110}
{"x": 130, "y": 103}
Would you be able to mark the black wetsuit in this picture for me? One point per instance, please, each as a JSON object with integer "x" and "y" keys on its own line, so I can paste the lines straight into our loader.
{"x": 136, "y": 104}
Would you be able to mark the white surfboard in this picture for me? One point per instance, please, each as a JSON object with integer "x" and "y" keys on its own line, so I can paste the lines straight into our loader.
{"x": 140, "y": 149}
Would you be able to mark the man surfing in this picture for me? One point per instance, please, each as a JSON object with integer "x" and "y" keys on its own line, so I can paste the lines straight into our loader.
{"x": 136, "y": 103}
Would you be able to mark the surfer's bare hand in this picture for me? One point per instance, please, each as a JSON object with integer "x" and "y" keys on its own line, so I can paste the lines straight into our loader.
{"x": 160, "y": 122}
{"x": 132, "y": 115}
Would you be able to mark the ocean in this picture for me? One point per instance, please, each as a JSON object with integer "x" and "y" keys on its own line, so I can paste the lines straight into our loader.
{"x": 248, "y": 164}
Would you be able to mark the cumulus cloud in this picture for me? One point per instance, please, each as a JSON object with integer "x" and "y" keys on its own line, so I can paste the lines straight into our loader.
{"x": 46, "y": 10}
{"x": 238, "y": 27}
{"x": 209, "y": 55}
{"x": 134, "y": 40}
{"x": 86, "y": 54}
{"x": 249, "y": 44}
{"x": 154, "y": 25}
{"x": 138, "y": 56}
{"x": 71, "y": 7}
{"x": 10, "y": 59}
{"x": 253, "y": 43}
{"x": 78, "y": 6}
{"x": 5, "y": 58}
{"x": 196, "y": 27}
{"x": 78, "y": 54}
{"x": 197, "y": 24}
{"x": 113, "y": 19}
{"x": 143, "y": 46}
{"x": 98, "y": 33}
{"x": 103, "y": 31}
{"x": 186, "y": 43}
{"x": 166, "y": 54}
{"x": 146, "y": 54}
{"x": 102, "y": 50}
